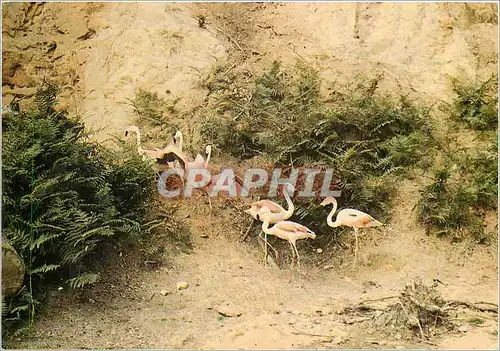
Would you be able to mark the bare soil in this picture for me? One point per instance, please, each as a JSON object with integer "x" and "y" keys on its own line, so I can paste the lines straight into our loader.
{"x": 101, "y": 53}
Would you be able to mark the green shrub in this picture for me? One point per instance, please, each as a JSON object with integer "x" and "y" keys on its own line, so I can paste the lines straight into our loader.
{"x": 475, "y": 104}
{"x": 455, "y": 202}
{"x": 62, "y": 205}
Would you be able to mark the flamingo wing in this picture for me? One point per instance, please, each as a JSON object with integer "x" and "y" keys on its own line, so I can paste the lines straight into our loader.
{"x": 357, "y": 218}
{"x": 153, "y": 153}
{"x": 291, "y": 227}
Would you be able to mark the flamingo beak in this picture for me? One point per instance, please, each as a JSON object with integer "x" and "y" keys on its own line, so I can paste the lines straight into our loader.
{"x": 324, "y": 202}
{"x": 126, "y": 132}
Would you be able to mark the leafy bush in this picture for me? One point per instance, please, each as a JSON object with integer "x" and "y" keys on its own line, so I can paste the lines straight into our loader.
{"x": 475, "y": 104}
{"x": 63, "y": 205}
{"x": 454, "y": 203}
{"x": 364, "y": 137}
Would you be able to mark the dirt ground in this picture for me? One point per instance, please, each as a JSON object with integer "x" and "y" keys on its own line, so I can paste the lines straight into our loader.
{"x": 101, "y": 53}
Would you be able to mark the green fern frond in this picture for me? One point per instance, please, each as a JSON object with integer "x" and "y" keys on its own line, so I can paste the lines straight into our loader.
{"x": 44, "y": 269}
{"x": 82, "y": 280}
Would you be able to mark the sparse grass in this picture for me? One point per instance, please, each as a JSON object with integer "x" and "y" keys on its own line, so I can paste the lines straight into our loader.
{"x": 463, "y": 189}
{"x": 476, "y": 321}
{"x": 475, "y": 104}
{"x": 481, "y": 13}
{"x": 152, "y": 109}
{"x": 368, "y": 139}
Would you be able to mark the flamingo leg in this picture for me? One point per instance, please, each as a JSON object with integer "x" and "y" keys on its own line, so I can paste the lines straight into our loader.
{"x": 265, "y": 250}
{"x": 293, "y": 253}
{"x": 355, "y": 247}
{"x": 297, "y": 252}
{"x": 275, "y": 252}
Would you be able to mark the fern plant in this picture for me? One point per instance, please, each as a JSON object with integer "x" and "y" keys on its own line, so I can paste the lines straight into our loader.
{"x": 475, "y": 104}
{"x": 455, "y": 202}
{"x": 63, "y": 206}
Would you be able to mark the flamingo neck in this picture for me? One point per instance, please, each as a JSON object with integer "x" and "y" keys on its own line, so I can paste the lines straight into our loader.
{"x": 289, "y": 202}
{"x": 181, "y": 141}
{"x": 329, "y": 220}
{"x": 139, "y": 147}
{"x": 265, "y": 227}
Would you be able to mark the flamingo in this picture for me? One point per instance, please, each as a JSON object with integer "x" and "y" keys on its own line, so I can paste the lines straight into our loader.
{"x": 286, "y": 230}
{"x": 277, "y": 213}
{"x": 162, "y": 157}
{"x": 177, "y": 141}
{"x": 199, "y": 162}
{"x": 350, "y": 218}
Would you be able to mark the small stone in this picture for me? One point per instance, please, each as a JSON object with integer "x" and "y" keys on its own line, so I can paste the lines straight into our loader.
{"x": 463, "y": 328}
{"x": 227, "y": 309}
{"x": 326, "y": 339}
{"x": 164, "y": 292}
{"x": 91, "y": 300}
{"x": 204, "y": 236}
{"x": 327, "y": 267}
{"x": 238, "y": 333}
{"x": 182, "y": 285}
{"x": 296, "y": 312}
{"x": 319, "y": 251}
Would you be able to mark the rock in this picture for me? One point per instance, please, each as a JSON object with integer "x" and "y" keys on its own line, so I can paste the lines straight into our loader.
{"x": 319, "y": 251}
{"x": 164, "y": 292}
{"x": 13, "y": 269}
{"x": 182, "y": 285}
{"x": 463, "y": 328}
{"x": 296, "y": 312}
{"x": 326, "y": 339}
{"x": 227, "y": 309}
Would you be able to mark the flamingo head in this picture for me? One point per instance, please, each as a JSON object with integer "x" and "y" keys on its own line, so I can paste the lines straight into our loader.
{"x": 208, "y": 149}
{"x": 131, "y": 129}
{"x": 327, "y": 201}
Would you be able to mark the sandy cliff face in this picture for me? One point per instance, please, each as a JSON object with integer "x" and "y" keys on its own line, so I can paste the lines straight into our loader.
{"x": 101, "y": 53}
